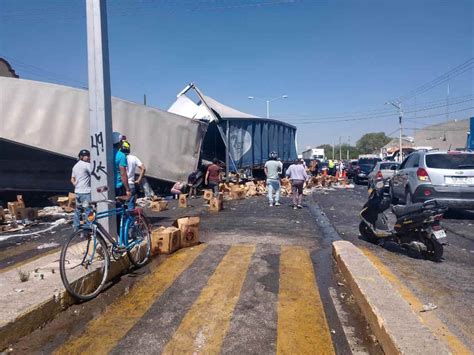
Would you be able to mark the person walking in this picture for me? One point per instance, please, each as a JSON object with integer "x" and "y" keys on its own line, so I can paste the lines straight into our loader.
{"x": 81, "y": 179}
{"x": 213, "y": 176}
{"x": 297, "y": 174}
{"x": 273, "y": 169}
{"x": 134, "y": 165}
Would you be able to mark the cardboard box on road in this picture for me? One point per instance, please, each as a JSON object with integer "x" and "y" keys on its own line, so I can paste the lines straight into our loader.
{"x": 158, "y": 206}
{"x": 27, "y": 213}
{"x": 189, "y": 227}
{"x": 208, "y": 194}
{"x": 183, "y": 201}
{"x": 237, "y": 194}
{"x": 217, "y": 203}
{"x": 165, "y": 240}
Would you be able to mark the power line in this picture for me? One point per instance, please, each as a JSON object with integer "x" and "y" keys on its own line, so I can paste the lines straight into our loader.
{"x": 460, "y": 69}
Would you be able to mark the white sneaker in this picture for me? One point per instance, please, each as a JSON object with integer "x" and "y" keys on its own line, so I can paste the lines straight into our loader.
{"x": 295, "y": 208}
{"x": 277, "y": 203}
{"x": 270, "y": 204}
{"x": 299, "y": 206}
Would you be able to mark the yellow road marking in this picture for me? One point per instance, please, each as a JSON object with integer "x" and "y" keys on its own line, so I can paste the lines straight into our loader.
{"x": 103, "y": 333}
{"x": 302, "y": 325}
{"x": 433, "y": 322}
{"x": 204, "y": 326}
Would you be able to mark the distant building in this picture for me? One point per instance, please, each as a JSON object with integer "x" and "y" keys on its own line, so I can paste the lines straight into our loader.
{"x": 7, "y": 70}
{"x": 391, "y": 148}
{"x": 443, "y": 136}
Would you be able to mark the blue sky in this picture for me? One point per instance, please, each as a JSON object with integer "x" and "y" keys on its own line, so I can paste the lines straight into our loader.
{"x": 336, "y": 60}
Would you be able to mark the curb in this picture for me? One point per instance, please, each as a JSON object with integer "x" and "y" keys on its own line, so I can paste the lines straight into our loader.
{"x": 33, "y": 317}
{"x": 397, "y": 328}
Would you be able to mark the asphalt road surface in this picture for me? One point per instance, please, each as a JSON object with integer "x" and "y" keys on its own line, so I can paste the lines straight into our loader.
{"x": 262, "y": 282}
{"x": 449, "y": 284}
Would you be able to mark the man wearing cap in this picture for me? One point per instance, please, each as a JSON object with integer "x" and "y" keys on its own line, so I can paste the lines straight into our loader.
{"x": 134, "y": 165}
{"x": 120, "y": 168}
{"x": 81, "y": 179}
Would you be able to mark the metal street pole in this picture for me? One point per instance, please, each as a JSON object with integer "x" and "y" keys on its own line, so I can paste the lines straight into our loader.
{"x": 100, "y": 107}
{"x": 227, "y": 152}
{"x": 340, "y": 149}
{"x": 400, "y": 119}
{"x": 333, "y": 156}
{"x": 398, "y": 106}
{"x": 268, "y": 101}
{"x": 268, "y": 108}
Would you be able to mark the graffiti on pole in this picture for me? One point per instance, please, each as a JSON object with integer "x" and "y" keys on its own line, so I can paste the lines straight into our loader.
{"x": 97, "y": 143}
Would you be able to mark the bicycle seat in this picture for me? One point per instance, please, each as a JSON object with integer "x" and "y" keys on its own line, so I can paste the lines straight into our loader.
{"x": 400, "y": 210}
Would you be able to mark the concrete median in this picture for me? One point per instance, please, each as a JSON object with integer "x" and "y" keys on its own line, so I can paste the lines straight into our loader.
{"x": 29, "y": 304}
{"x": 397, "y": 328}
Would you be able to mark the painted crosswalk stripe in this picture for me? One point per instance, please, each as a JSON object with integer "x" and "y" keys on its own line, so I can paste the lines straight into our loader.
{"x": 204, "y": 326}
{"x": 105, "y": 331}
{"x": 302, "y": 325}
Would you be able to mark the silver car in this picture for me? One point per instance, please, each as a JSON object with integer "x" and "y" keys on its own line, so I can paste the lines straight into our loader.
{"x": 382, "y": 171}
{"x": 444, "y": 176}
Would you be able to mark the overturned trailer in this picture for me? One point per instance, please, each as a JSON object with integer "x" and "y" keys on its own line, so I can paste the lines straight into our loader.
{"x": 241, "y": 139}
{"x": 43, "y": 126}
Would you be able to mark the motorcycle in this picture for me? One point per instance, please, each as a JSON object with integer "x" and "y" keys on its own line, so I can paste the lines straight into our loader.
{"x": 417, "y": 227}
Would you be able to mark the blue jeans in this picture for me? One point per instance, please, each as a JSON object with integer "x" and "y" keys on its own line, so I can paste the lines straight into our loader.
{"x": 133, "y": 197}
{"x": 273, "y": 185}
{"x": 80, "y": 198}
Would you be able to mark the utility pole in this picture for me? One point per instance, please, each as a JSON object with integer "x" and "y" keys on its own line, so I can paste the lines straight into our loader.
{"x": 100, "y": 107}
{"x": 398, "y": 106}
{"x": 348, "y": 147}
{"x": 144, "y": 99}
{"x": 340, "y": 149}
{"x": 333, "y": 156}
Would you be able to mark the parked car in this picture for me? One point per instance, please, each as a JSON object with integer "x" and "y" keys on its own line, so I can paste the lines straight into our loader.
{"x": 362, "y": 173}
{"x": 351, "y": 168}
{"x": 364, "y": 167}
{"x": 444, "y": 176}
{"x": 383, "y": 170}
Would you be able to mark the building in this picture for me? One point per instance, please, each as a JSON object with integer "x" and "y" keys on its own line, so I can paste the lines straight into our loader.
{"x": 444, "y": 136}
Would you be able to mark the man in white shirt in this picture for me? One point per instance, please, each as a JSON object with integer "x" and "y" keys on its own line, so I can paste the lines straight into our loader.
{"x": 81, "y": 179}
{"x": 273, "y": 169}
{"x": 134, "y": 166}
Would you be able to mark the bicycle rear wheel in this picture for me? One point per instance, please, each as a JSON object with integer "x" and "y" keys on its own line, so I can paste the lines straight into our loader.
{"x": 139, "y": 235}
{"x": 84, "y": 264}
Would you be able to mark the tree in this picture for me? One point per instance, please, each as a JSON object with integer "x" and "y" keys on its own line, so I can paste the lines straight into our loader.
{"x": 372, "y": 142}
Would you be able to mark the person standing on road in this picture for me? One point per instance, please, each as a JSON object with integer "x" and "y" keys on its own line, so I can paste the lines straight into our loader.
{"x": 134, "y": 164}
{"x": 213, "y": 176}
{"x": 297, "y": 174}
{"x": 81, "y": 179}
{"x": 273, "y": 169}
{"x": 120, "y": 168}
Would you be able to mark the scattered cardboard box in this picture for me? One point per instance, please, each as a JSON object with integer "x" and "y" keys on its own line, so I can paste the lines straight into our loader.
{"x": 189, "y": 227}
{"x": 165, "y": 240}
{"x": 216, "y": 203}
{"x": 2, "y": 215}
{"x": 158, "y": 206}
{"x": 208, "y": 194}
{"x": 183, "y": 201}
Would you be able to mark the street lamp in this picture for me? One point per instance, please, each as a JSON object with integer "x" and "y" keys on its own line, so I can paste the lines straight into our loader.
{"x": 398, "y": 106}
{"x": 268, "y": 101}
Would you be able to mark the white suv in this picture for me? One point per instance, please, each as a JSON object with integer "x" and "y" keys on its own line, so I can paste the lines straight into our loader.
{"x": 444, "y": 176}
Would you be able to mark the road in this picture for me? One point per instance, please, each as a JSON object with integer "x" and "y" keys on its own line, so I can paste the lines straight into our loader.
{"x": 449, "y": 284}
{"x": 262, "y": 282}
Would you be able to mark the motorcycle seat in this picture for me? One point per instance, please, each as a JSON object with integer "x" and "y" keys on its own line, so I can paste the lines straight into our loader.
{"x": 400, "y": 210}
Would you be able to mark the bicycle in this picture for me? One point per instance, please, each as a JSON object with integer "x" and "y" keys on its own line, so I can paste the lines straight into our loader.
{"x": 85, "y": 258}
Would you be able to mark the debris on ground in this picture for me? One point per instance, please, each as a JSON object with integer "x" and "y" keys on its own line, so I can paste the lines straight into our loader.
{"x": 428, "y": 307}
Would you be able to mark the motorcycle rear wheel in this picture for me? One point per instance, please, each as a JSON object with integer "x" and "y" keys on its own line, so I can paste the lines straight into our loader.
{"x": 434, "y": 250}
{"x": 367, "y": 233}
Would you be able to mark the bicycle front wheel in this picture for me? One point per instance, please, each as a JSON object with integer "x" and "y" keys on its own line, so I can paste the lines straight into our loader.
{"x": 140, "y": 241}
{"x": 84, "y": 264}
